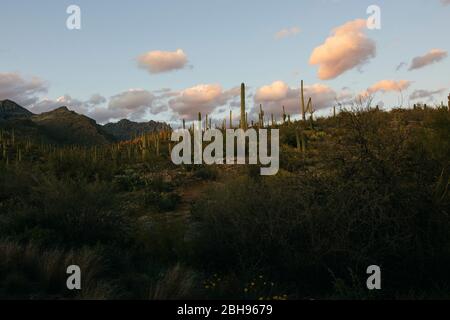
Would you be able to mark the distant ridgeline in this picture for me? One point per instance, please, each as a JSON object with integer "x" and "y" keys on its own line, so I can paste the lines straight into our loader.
{"x": 127, "y": 130}
{"x": 62, "y": 126}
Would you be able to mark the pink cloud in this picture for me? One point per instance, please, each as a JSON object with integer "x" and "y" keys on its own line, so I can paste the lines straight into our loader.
{"x": 278, "y": 94}
{"x": 346, "y": 48}
{"x": 204, "y": 98}
{"x": 389, "y": 85}
{"x": 162, "y": 61}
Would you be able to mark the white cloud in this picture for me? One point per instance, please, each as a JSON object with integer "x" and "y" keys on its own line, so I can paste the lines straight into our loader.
{"x": 132, "y": 104}
{"x": 425, "y": 94}
{"x": 346, "y": 48}
{"x": 24, "y": 91}
{"x": 162, "y": 61}
{"x": 384, "y": 86}
{"x": 389, "y": 85}
{"x": 276, "y": 91}
{"x": 66, "y": 100}
{"x": 278, "y": 94}
{"x": 96, "y": 99}
{"x": 204, "y": 98}
{"x": 435, "y": 55}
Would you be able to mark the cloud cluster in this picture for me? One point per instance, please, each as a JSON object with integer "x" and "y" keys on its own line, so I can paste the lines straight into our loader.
{"x": 278, "y": 94}
{"x": 203, "y": 98}
{"x": 389, "y": 86}
{"x": 162, "y": 61}
{"x": 346, "y": 48}
{"x": 287, "y": 32}
{"x": 445, "y": 2}
{"x": 66, "y": 100}
{"x": 425, "y": 94}
{"x": 24, "y": 91}
{"x": 132, "y": 104}
{"x": 435, "y": 55}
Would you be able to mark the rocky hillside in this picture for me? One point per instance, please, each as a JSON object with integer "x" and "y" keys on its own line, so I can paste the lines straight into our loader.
{"x": 126, "y": 129}
{"x": 11, "y": 110}
{"x": 69, "y": 127}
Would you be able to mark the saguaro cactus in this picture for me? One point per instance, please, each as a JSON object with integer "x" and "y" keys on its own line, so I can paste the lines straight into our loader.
{"x": 449, "y": 102}
{"x": 261, "y": 117}
{"x": 302, "y": 100}
{"x": 243, "y": 120}
{"x": 231, "y": 119}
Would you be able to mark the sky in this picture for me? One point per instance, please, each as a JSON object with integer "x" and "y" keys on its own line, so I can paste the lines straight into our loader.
{"x": 168, "y": 60}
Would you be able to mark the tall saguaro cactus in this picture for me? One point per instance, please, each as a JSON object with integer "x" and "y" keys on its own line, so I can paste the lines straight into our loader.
{"x": 449, "y": 102}
{"x": 261, "y": 116}
{"x": 231, "y": 119}
{"x": 302, "y": 100}
{"x": 243, "y": 120}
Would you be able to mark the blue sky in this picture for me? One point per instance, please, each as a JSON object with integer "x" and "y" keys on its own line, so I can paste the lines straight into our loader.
{"x": 225, "y": 43}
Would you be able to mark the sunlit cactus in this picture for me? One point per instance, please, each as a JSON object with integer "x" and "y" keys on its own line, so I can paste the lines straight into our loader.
{"x": 261, "y": 116}
{"x": 243, "y": 122}
{"x": 231, "y": 119}
{"x": 449, "y": 102}
{"x": 302, "y": 102}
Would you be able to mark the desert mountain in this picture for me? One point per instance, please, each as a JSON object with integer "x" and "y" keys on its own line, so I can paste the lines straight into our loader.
{"x": 11, "y": 110}
{"x": 126, "y": 129}
{"x": 68, "y": 127}
{"x": 63, "y": 126}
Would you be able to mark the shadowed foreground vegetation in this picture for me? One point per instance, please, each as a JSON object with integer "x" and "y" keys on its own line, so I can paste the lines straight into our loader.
{"x": 365, "y": 187}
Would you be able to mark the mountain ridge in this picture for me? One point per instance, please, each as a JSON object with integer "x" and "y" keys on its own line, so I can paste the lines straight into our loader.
{"x": 65, "y": 126}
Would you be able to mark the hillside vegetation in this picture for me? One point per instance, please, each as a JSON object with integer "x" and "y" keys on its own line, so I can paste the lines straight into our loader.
{"x": 364, "y": 187}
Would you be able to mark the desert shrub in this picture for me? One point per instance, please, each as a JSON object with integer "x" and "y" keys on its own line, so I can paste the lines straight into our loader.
{"x": 174, "y": 284}
{"x": 71, "y": 213}
{"x": 370, "y": 200}
{"x": 206, "y": 172}
{"x": 128, "y": 180}
{"x": 27, "y": 271}
{"x": 162, "y": 201}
